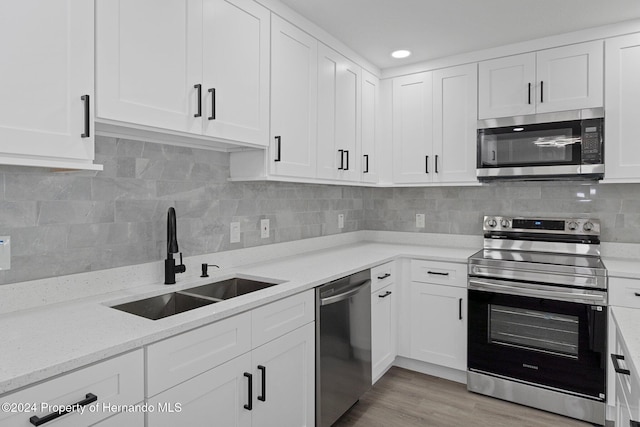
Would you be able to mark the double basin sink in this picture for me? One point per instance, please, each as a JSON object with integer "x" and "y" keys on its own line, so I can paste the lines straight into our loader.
{"x": 171, "y": 303}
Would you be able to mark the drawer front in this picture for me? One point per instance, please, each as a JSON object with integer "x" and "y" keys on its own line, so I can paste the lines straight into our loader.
{"x": 278, "y": 318}
{"x": 115, "y": 382}
{"x": 630, "y": 383}
{"x": 624, "y": 292}
{"x": 441, "y": 273}
{"x": 184, "y": 356}
{"x": 383, "y": 275}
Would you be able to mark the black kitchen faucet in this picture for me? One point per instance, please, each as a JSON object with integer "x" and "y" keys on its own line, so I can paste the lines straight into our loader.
{"x": 170, "y": 267}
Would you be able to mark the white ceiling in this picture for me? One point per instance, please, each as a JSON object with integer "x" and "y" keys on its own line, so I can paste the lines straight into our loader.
{"x": 439, "y": 28}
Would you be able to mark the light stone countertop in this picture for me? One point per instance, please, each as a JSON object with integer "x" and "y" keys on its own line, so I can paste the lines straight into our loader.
{"x": 628, "y": 321}
{"x": 622, "y": 267}
{"x": 41, "y": 342}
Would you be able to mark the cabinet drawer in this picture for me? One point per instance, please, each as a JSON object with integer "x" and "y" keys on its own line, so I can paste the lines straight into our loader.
{"x": 115, "y": 382}
{"x": 442, "y": 273}
{"x": 630, "y": 384}
{"x": 624, "y": 292}
{"x": 184, "y": 356}
{"x": 383, "y": 275}
{"x": 276, "y": 319}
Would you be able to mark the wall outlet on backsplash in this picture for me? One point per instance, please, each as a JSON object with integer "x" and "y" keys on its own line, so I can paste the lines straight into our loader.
{"x": 419, "y": 220}
{"x": 5, "y": 252}
{"x": 235, "y": 232}
{"x": 340, "y": 220}
{"x": 264, "y": 228}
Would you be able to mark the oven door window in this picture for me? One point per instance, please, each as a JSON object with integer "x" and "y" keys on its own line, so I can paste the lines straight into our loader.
{"x": 549, "y": 144}
{"x": 545, "y": 332}
{"x": 557, "y": 344}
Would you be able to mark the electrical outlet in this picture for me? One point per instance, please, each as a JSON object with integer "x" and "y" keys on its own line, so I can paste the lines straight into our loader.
{"x": 419, "y": 220}
{"x": 5, "y": 252}
{"x": 235, "y": 232}
{"x": 341, "y": 221}
{"x": 264, "y": 228}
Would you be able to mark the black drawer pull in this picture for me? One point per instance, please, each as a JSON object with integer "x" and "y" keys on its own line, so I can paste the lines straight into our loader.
{"x": 616, "y": 365}
{"x": 637, "y": 294}
{"x": 384, "y": 276}
{"x": 87, "y": 116}
{"x": 386, "y": 294}
{"x": 212, "y": 91}
{"x": 198, "y": 87}
{"x": 37, "y": 421}
{"x": 249, "y": 406}
{"x": 437, "y": 273}
{"x": 263, "y": 396}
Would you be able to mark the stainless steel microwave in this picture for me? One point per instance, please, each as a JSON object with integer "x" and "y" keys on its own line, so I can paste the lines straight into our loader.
{"x": 568, "y": 145}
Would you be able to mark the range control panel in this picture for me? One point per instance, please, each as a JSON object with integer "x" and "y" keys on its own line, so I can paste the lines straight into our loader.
{"x": 580, "y": 226}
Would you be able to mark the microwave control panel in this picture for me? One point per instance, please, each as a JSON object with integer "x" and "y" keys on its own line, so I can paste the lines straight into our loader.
{"x": 591, "y": 141}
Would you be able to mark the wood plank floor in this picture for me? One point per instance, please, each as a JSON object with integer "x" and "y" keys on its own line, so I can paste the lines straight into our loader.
{"x": 405, "y": 398}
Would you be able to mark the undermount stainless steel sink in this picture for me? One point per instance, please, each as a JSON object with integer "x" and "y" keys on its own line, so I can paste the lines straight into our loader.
{"x": 171, "y": 303}
{"x": 164, "y": 305}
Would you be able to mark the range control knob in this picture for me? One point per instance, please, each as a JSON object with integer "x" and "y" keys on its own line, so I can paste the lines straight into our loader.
{"x": 504, "y": 223}
{"x": 588, "y": 226}
{"x": 572, "y": 226}
{"x": 491, "y": 222}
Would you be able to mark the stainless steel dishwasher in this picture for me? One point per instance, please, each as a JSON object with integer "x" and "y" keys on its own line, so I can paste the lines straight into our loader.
{"x": 343, "y": 345}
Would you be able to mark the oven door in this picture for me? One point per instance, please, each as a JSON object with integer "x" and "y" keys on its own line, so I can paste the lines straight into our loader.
{"x": 534, "y": 339}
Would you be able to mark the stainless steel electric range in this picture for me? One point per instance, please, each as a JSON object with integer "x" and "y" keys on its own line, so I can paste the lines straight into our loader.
{"x": 537, "y": 318}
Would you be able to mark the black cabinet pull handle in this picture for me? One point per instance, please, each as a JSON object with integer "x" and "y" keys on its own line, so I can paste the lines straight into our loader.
{"x": 87, "y": 121}
{"x": 460, "y": 309}
{"x": 278, "y": 143}
{"x": 616, "y": 365}
{"x": 347, "y": 162}
{"x": 438, "y": 273}
{"x": 198, "y": 87}
{"x": 426, "y": 164}
{"x": 637, "y": 294}
{"x": 541, "y": 91}
{"x": 493, "y": 152}
{"x": 212, "y": 91}
{"x": 529, "y": 94}
{"x": 249, "y": 406}
{"x": 341, "y": 152}
{"x": 37, "y": 421}
{"x": 366, "y": 164}
{"x": 386, "y": 294}
{"x": 263, "y": 396}
{"x": 384, "y": 276}
{"x": 436, "y": 163}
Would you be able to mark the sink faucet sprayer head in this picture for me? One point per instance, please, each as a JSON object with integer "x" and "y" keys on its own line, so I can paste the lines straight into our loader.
{"x": 172, "y": 237}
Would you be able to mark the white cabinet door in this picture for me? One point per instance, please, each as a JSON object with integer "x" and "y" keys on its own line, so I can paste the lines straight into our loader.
{"x": 622, "y": 150}
{"x": 370, "y": 123}
{"x": 149, "y": 58}
{"x": 235, "y": 74}
{"x": 383, "y": 330}
{"x": 455, "y": 95}
{"x": 46, "y": 67}
{"x": 338, "y": 116}
{"x": 507, "y": 86}
{"x": 218, "y": 395}
{"x": 294, "y": 76}
{"x": 284, "y": 388}
{"x": 569, "y": 77}
{"x": 412, "y": 129}
{"x": 439, "y": 324}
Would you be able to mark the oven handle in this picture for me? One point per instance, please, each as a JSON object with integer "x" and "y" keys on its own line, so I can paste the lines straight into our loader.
{"x": 529, "y": 290}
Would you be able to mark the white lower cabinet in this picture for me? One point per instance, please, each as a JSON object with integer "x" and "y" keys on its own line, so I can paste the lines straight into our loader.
{"x": 383, "y": 330}
{"x": 627, "y": 384}
{"x": 100, "y": 389}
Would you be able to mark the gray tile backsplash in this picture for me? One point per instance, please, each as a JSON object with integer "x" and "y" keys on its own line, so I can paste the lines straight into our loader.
{"x": 70, "y": 222}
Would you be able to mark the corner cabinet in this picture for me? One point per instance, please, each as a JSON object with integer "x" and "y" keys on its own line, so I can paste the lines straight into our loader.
{"x": 622, "y": 106}
{"x": 559, "y": 79}
{"x": 199, "y": 67}
{"x": 46, "y": 114}
{"x": 434, "y": 126}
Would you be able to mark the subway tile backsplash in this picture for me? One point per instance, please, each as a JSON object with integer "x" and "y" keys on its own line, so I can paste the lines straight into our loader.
{"x": 71, "y": 222}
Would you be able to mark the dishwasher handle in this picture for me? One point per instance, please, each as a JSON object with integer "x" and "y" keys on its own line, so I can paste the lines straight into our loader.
{"x": 344, "y": 295}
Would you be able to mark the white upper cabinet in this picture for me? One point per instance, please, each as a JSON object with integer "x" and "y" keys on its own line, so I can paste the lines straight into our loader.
{"x": 339, "y": 92}
{"x": 193, "y": 66}
{"x": 294, "y": 100}
{"x": 412, "y": 129}
{"x": 46, "y": 113}
{"x": 563, "y": 78}
{"x": 622, "y": 106}
{"x": 370, "y": 123}
{"x": 455, "y": 93}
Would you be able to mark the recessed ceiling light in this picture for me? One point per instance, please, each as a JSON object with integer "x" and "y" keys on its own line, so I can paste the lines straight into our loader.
{"x": 518, "y": 129}
{"x": 399, "y": 54}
